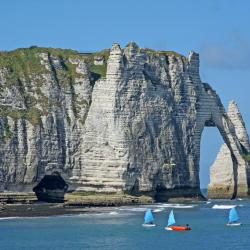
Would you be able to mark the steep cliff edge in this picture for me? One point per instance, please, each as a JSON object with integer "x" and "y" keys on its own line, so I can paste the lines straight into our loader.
{"x": 109, "y": 122}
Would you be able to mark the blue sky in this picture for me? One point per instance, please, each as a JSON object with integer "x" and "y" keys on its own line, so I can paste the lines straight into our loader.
{"x": 218, "y": 30}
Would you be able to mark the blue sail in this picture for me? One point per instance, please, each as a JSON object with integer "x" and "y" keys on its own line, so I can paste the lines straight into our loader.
{"x": 171, "y": 219}
{"x": 233, "y": 215}
{"x": 148, "y": 218}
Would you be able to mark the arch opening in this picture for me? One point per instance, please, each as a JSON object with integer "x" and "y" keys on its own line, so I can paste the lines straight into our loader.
{"x": 211, "y": 141}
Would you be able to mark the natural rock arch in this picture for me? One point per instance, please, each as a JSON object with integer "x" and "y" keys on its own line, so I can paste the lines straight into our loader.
{"x": 114, "y": 133}
{"x": 212, "y": 113}
{"x": 165, "y": 125}
{"x": 229, "y": 173}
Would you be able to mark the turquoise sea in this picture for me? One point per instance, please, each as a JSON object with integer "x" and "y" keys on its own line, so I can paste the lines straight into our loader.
{"x": 120, "y": 228}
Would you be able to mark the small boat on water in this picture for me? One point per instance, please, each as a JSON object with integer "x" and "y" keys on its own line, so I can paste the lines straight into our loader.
{"x": 233, "y": 218}
{"x": 172, "y": 227}
{"x": 148, "y": 219}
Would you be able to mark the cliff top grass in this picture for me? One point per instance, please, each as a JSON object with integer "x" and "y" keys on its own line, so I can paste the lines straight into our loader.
{"x": 163, "y": 52}
{"x": 98, "y": 71}
{"x": 23, "y": 62}
{"x": 29, "y": 54}
{"x": 155, "y": 52}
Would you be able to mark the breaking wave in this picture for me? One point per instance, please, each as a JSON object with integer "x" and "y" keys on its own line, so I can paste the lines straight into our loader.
{"x": 158, "y": 210}
{"x": 157, "y": 207}
{"x": 223, "y": 206}
{"x": 177, "y": 206}
{"x": 133, "y": 209}
{"x": 10, "y": 218}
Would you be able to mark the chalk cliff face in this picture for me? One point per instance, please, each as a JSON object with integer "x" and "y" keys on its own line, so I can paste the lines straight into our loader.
{"x": 131, "y": 122}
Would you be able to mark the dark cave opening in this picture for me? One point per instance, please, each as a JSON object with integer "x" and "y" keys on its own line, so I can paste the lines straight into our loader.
{"x": 51, "y": 188}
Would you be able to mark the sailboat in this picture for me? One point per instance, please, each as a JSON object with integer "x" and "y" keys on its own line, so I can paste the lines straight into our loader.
{"x": 233, "y": 218}
{"x": 148, "y": 219}
{"x": 171, "y": 222}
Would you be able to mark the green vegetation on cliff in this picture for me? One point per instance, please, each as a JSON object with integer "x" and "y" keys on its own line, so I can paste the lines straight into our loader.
{"x": 24, "y": 67}
{"x": 98, "y": 71}
{"x": 24, "y": 71}
{"x": 163, "y": 53}
{"x": 33, "y": 115}
{"x": 7, "y": 134}
{"x": 247, "y": 157}
{"x": 23, "y": 64}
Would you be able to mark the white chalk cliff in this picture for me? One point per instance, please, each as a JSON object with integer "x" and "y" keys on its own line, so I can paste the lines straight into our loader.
{"x": 116, "y": 132}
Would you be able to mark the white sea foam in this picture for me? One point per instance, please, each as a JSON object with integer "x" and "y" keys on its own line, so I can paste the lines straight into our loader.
{"x": 176, "y": 206}
{"x": 105, "y": 215}
{"x": 10, "y": 218}
{"x": 25, "y": 217}
{"x": 223, "y": 206}
{"x": 133, "y": 209}
{"x": 157, "y": 210}
{"x": 113, "y": 213}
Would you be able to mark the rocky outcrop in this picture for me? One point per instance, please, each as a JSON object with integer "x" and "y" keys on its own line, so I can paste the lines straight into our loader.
{"x": 131, "y": 124}
{"x": 221, "y": 172}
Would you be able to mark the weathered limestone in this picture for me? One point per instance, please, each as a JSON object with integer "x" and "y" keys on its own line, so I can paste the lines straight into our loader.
{"x": 221, "y": 175}
{"x": 221, "y": 172}
{"x": 239, "y": 125}
{"x": 53, "y": 143}
{"x": 98, "y": 60}
{"x": 120, "y": 132}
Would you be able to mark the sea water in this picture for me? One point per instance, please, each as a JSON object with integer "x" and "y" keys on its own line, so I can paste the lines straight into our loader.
{"x": 121, "y": 229}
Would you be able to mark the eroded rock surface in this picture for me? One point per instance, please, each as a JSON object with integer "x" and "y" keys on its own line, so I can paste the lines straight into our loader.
{"x": 222, "y": 181}
{"x": 113, "y": 127}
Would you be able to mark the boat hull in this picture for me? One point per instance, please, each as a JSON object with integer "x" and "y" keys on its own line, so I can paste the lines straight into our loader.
{"x": 148, "y": 225}
{"x": 178, "y": 228}
{"x": 234, "y": 224}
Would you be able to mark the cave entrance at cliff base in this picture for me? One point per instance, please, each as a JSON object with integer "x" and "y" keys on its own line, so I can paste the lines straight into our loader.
{"x": 51, "y": 188}
{"x": 211, "y": 141}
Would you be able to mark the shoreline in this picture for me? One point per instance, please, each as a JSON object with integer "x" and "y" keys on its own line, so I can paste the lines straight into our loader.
{"x": 44, "y": 210}
{"x": 27, "y": 205}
